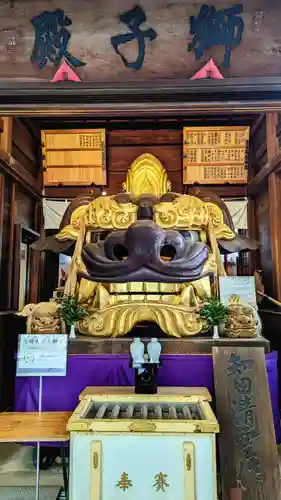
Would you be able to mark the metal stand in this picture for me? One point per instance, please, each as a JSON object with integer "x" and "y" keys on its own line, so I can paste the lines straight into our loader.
{"x": 37, "y": 494}
{"x": 64, "y": 470}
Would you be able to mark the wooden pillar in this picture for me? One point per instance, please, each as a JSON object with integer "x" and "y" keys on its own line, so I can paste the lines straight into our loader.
{"x": 7, "y": 134}
{"x": 274, "y": 191}
{"x": 36, "y": 261}
{"x": 271, "y": 136}
{"x": 254, "y": 258}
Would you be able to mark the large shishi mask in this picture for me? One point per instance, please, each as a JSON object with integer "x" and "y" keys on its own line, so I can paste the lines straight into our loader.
{"x": 146, "y": 254}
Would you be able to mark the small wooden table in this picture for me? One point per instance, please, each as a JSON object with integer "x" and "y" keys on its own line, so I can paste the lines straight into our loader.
{"x": 34, "y": 427}
{"x": 41, "y": 427}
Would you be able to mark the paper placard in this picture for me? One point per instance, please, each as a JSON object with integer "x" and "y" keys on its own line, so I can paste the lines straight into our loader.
{"x": 241, "y": 287}
{"x": 42, "y": 355}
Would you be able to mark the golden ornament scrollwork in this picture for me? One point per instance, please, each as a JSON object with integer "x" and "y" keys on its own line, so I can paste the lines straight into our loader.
{"x": 71, "y": 231}
{"x": 147, "y": 176}
{"x": 115, "y": 321}
{"x": 221, "y": 230}
{"x": 184, "y": 212}
{"x": 105, "y": 213}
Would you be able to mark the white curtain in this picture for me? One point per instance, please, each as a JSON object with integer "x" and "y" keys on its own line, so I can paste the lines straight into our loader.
{"x": 238, "y": 211}
{"x": 54, "y": 210}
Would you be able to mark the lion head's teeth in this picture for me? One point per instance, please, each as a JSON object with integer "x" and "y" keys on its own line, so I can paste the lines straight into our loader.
{"x": 135, "y": 287}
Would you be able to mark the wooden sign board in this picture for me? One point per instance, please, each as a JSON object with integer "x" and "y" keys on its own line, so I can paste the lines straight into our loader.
{"x": 215, "y": 155}
{"x": 249, "y": 462}
{"x": 74, "y": 157}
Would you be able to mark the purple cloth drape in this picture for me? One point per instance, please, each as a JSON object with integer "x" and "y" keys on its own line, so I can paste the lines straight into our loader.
{"x": 62, "y": 393}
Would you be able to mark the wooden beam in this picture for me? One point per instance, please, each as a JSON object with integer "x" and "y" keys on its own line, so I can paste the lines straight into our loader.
{"x": 69, "y": 192}
{"x": 271, "y": 135}
{"x": 259, "y": 181}
{"x": 274, "y": 190}
{"x": 7, "y": 134}
{"x": 12, "y": 167}
{"x": 256, "y": 125}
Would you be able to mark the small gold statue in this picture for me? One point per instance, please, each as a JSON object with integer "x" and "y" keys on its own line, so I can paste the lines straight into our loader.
{"x": 43, "y": 318}
{"x": 243, "y": 321}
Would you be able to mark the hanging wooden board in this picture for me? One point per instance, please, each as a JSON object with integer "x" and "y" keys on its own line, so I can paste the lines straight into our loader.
{"x": 215, "y": 155}
{"x": 249, "y": 462}
{"x": 74, "y": 157}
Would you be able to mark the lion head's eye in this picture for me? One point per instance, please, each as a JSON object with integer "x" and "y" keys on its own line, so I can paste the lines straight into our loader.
{"x": 192, "y": 236}
{"x": 99, "y": 236}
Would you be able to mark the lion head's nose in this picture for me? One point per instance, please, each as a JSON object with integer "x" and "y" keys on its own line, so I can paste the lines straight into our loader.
{"x": 144, "y": 238}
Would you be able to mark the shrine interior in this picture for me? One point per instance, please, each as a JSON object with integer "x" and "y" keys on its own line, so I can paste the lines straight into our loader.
{"x": 126, "y": 139}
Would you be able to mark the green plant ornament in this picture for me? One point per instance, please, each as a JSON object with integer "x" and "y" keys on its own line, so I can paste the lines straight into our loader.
{"x": 71, "y": 311}
{"x": 214, "y": 312}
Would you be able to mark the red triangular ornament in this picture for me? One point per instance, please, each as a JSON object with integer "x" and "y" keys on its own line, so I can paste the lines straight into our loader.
{"x": 65, "y": 73}
{"x": 209, "y": 70}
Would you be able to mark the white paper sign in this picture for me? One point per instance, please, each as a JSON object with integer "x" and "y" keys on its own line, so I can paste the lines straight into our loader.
{"x": 42, "y": 355}
{"x": 242, "y": 287}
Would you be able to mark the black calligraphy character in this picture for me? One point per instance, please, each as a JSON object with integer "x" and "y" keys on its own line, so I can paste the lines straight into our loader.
{"x": 236, "y": 365}
{"x": 133, "y": 19}
{"x": 51, "y": 39}
{"x": 213, "y": 28}
{"x": 243, "y": 385}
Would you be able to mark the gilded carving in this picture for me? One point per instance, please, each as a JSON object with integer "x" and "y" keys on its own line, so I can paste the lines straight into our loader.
{"x": 119, "y": 319}
{"x": 147, "y": 176}
{"x": 105, "y": 213}
{"x": 184, "y": 212}
{"x": 243, "y": 321}
{"x": 43, "y": 318}
{"x": 149, "y": 255}
{"x": 221, "y": 230}
{"x": 70, "y": 232}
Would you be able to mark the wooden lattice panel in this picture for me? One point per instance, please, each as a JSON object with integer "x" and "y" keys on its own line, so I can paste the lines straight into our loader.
{"x": 74, "y": 157}
{"x": 184, "y": 411}
{"x": 215, "y": 155}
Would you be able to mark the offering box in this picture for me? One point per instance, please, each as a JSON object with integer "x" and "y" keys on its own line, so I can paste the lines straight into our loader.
{"x": 134, "y": 446}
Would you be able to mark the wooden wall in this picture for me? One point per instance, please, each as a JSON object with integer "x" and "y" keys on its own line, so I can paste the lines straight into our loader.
{"x": 94, "y": 23}
{"x": 264, "y": 189}
{"x": 26, "y": 147}
{"x": 129, "y": 141}
{"x": 19, "y": 214}
{"x": 264, "y": 238}
{"x": 125, "y": 146}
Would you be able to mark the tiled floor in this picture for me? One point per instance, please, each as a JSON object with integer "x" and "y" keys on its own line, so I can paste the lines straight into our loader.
{"x": 29, "y": 493}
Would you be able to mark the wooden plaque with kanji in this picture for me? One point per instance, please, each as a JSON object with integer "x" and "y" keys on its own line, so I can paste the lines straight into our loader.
{"x": 215, "y": 155}
{"x": 74, "y": 157}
